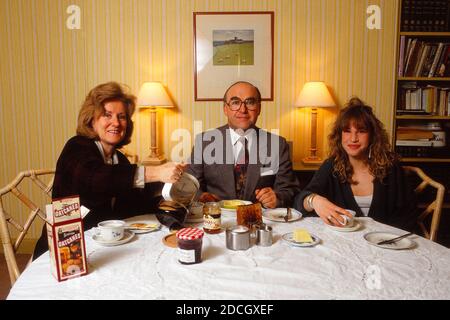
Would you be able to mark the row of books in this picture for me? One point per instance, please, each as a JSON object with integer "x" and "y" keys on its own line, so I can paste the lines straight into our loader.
{"x": 421, "y": 136}
{"x": 425, "y": 15}
{"x": 423, "y": 58}
{"x": 429, "y": 99}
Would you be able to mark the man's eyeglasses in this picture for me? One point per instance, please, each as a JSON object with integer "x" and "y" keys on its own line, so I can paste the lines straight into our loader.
{"x": 250, "y": 103}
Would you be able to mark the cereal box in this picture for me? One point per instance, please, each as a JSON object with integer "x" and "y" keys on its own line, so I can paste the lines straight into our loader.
{"x": 66, "y": 239}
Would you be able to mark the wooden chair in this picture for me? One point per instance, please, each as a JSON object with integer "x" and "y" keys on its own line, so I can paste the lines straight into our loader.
{"x": 10, "y": 246}
{"x": 434, "y": 208}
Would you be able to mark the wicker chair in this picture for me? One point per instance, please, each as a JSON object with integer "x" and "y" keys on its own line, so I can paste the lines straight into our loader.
{"x": 434, "y": 208}
{"x": 10, "y": 246}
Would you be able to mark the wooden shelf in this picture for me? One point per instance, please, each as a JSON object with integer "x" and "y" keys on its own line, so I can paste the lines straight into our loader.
{"x": 423, "y": 79}
{"x": 425, "y": 160}
{"x": 425, "y": 117}
{"x": 425, "y": 34}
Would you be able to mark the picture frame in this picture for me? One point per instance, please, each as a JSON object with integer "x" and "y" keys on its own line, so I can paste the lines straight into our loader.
{"x": 231, "y": 47}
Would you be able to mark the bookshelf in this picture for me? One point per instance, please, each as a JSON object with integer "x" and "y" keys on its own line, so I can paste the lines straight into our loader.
{"x": 422, "y": 86}
{"x": 421, "y": 115}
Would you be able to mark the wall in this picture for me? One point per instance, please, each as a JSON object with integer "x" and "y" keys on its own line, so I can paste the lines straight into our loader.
{"x": 47, "y": 69}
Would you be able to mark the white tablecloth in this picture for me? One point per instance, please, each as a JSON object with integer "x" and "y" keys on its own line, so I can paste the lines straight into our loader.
{"x": 342, "y": 266}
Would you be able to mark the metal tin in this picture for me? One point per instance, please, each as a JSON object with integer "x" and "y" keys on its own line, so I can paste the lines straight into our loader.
{"x": 264, "y": 236}
{"x": 238, "y": 238}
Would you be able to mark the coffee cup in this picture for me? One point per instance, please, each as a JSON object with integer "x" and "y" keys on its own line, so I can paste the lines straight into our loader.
{"x": 348, "y": 221}
{"x": 111, "y": 230}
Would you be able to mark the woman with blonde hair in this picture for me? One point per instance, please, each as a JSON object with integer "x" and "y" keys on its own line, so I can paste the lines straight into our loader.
{"x": 91, "y": 167}
{"x": 362, "y": 174}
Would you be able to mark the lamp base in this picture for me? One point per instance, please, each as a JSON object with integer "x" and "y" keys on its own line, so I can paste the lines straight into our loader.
{"x": 154, "y": 161}
{"x": 312, "y": 161}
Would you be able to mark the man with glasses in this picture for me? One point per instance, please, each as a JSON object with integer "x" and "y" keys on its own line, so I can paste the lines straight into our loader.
{"x": 240, "y": 160}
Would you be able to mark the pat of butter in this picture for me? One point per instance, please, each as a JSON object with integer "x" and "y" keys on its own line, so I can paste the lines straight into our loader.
{"x": 301, "y": 235}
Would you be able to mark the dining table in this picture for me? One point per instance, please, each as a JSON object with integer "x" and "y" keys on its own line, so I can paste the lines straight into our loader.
{"x": 341, "y": 265}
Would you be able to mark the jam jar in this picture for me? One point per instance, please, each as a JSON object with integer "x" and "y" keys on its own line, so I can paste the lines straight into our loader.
{"x": 190, "y": 245}
{"x": 212, "y": 217}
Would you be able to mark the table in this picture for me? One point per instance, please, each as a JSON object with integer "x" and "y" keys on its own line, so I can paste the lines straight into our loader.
{"x": 342, "y": 266}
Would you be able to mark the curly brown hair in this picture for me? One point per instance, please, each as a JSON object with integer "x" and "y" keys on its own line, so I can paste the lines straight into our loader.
{"x": 381, "y": 158}
{"x": 94, "y": 106}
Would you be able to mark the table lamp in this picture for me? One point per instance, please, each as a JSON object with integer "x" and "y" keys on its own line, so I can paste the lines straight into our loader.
{"x": 153, "y": 95}
{"x": 314, "y": 94}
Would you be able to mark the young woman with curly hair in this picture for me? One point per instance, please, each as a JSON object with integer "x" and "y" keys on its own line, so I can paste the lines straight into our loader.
{"x": 362, "y": 174}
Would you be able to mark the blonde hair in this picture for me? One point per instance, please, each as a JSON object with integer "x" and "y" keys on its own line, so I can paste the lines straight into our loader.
{"x": 94, "y": 106}
{"x": 381, "y": 158}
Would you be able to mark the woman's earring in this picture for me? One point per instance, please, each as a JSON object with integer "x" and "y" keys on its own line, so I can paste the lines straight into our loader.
{"x": 370, "y": 153}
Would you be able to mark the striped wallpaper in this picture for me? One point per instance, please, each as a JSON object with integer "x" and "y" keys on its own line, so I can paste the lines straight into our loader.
{"x": 47, "y": 69}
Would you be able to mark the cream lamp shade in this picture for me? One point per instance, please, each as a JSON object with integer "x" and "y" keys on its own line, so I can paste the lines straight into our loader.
{"x": 314, "y": 94}
{"x": 153, "y": 95}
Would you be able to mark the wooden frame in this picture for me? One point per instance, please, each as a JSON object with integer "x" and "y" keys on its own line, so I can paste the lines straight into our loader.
{"x": 434, "y": 208}
{"x": 10, "y": 247}
{"x": 230, "y": 47}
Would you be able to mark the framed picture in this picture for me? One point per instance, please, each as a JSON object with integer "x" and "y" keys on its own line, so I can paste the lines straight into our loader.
{"x": 230, "y": 47}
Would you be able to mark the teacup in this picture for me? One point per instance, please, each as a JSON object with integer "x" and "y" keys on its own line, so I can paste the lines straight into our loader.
{"x": 111, "y": 230}
{"x": 348, "y": 222}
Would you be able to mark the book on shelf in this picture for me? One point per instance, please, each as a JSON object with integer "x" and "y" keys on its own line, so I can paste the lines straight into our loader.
{"x": 415, "y": 98}
{"x": 413, "y": 134}
{"x": 425, "y": 15}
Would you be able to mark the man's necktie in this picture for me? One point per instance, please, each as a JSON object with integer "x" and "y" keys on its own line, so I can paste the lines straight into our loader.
{"x": 240, "y": 168}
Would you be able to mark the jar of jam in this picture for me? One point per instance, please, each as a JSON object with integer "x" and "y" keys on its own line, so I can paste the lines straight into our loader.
{"x": 212, "y": 217}
{"x": 189, "y": 241}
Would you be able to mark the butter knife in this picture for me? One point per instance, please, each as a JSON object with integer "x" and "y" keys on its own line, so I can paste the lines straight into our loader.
{"x": 394, "y": 239}
{"x": 287, "y": 217}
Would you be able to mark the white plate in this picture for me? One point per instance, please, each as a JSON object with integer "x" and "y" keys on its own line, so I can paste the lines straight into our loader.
{"x": 289, "y": 238}
{"x": 245, "y": 202}
{"x": 128, "y": 235}
{"x": 278, "y": 214}
{"x": 156, "y": 226}
{"x": 374, "y": 237}
{"x": 355, "y": 227}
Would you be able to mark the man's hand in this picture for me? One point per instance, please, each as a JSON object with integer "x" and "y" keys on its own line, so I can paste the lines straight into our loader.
{"x": 267, "y": 197}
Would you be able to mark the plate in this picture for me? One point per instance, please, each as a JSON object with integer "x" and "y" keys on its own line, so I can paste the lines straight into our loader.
{"x": 244, "y": 202}
{"x": 278, "y": 214}
{"x": 289, "y": 238}
{"x": 127, "y": 236}
{"x": 144, "y": 226}
{"x": 374, "y": 237}
{"x": 356, "y": 226}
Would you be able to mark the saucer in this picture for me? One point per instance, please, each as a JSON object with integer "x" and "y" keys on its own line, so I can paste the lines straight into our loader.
{"x": 374, "y": 237}
{"x": 127, "y": 236}
{"x": 278, "y": 214}
{"x": 289, "y": 238}
{"x": 356, "y": 226}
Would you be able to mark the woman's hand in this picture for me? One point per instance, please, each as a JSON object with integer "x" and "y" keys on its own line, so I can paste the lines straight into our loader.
{"x": 329, "y": 212}
{"x": 169, "y": 172}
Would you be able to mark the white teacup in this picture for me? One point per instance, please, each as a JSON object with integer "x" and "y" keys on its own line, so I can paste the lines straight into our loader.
{"x": 348, "y": 222}
{"x": 111, "y": 230}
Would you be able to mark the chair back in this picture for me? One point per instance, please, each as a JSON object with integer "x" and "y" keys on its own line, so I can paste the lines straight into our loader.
{"x": 10, "y": 246}
{"x": 434, "y": 208}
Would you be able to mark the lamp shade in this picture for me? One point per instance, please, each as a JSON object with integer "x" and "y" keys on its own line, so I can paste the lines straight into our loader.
{"x": 153, "y": 94}
{"x": 315, "y": 94}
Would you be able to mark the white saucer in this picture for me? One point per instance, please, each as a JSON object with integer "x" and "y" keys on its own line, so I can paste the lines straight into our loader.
{"x": 374, "y": 237}
{"x": 356, "y": 226}
{"x": 278, "y": 214}
{"x": 226, "y": 210}
{"x": 127, "y": 236}
{"x": 144, "y": 230}
{"x": 289, "y": 238}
